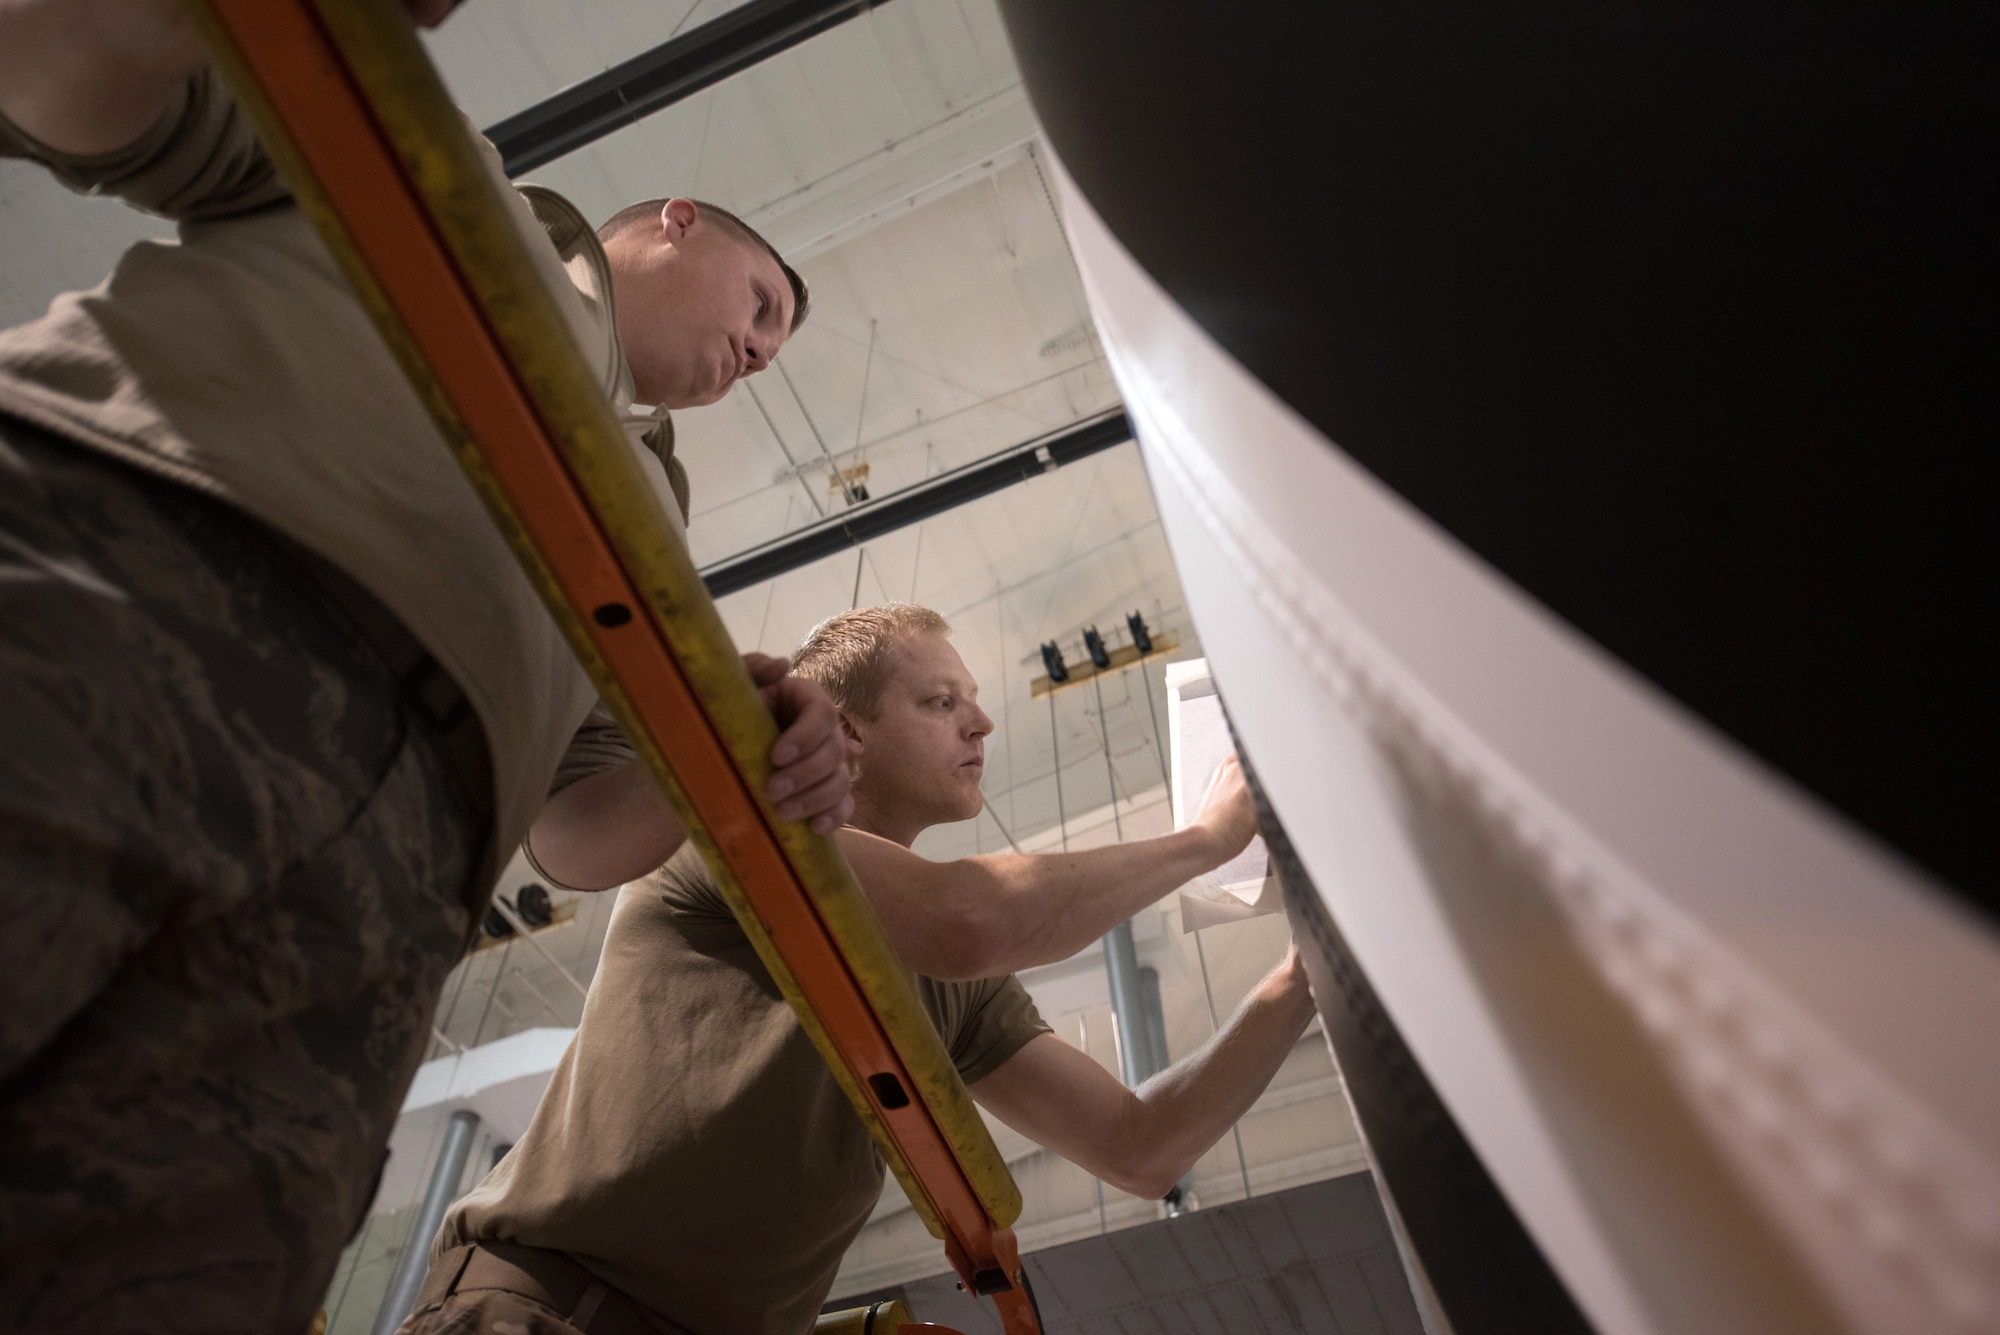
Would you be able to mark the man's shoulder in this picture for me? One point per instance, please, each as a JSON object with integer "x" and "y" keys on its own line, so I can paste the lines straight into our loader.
{"x": 954, "y": 1003}
{"x": 569, "y": 231}
{"x": 983, "y": 1021}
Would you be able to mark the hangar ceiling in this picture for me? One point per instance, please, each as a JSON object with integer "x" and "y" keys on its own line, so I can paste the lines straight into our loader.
{"x": 893, "y": 159}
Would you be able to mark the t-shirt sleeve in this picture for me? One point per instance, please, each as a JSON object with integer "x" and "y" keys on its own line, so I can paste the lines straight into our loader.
{"x": 598, "y": 745}
{"x": 995, "y": 1020}
{"x": 200, "y": 161}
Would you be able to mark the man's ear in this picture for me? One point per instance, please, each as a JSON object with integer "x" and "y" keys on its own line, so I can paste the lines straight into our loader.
{"x": 850, "y": 737}
{"x": 676, "y": 216}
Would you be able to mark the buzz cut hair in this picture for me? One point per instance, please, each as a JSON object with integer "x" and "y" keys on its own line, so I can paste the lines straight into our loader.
{"x": 848, "y": 654}
{"x": 648, "y": 209}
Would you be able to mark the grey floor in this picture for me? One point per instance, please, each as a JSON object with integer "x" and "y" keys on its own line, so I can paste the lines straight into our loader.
{"x": 1315, "y": 1260}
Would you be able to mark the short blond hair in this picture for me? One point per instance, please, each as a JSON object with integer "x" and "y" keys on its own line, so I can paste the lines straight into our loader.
{"x": 848, "y": 654}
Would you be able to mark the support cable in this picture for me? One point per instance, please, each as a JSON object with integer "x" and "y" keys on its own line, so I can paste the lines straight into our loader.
{"x": 525, "y": 933}
{"x": 1055, "y": 745}
{"x": 1005, "y": 833}
{"x": 867, "y": 366}
{"x": 1153, "y": 717}
{"x": 786, "y": 450}
{"x": 1110, "y": 770}
{"x": 492, "y": 990}
{"x": 540, "y": 996}
{"x": 839, "y": 478}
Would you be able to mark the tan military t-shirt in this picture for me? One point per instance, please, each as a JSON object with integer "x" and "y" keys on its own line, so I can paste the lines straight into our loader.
{"x": 692, "y": 1149}
{"x": 236, "y": 359}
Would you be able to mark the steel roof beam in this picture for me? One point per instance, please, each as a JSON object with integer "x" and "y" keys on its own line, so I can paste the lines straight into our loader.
{"x": 933, "y": 496}
{"x": 630, "y": 91}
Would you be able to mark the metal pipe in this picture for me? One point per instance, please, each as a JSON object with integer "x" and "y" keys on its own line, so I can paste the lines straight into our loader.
{"x": 1153, "y": 1021}
{"x": 1128, "y": 1005}
{"x": 1152, "y": 717}
{"x": 677, "y": 68}
{"x": 1155, "y": 1016}
{"x": 1135, "y": 992}
{"x": 1121, "y": 958}
{"x": 414, "y": 1263}
{"x": 917, "y": 502}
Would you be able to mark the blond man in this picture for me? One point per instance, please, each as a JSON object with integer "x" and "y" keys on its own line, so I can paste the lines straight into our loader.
{"x": 694, "y": 1168}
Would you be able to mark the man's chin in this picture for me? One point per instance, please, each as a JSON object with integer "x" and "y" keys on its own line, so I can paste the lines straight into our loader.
{"x": 713, "y": 396}
{"x": 969, "y": 805}
{"x": 689, "y": 395}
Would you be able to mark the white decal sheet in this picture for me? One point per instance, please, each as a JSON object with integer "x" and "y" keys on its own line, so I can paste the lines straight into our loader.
{"x": 1243, "y": 887}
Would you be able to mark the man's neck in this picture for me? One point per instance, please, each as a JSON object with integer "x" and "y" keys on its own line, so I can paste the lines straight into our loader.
{"x": 871, "y": 818}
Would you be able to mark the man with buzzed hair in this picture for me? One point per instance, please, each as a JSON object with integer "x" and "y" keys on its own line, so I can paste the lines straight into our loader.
{"x": 693, "y": 1168}
{"x": 276, "y": 700}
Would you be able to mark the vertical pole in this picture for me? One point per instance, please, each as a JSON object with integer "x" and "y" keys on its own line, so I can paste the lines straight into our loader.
{"x": 414, "y": 1263}
{"x": 1155, "y": 1016}
{"x": 1135, "y": 992}
{"x": 1110, "y": 771}
{"x": 1083, "y": 1024}
{"x": 1121, "y": 959}
{"x": 1055, "y": 750}
{"x": 1153, "y": 718}
{"x": 1128, "y": 1006}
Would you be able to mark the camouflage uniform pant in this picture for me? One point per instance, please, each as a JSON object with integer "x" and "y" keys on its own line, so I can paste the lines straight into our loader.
{"x": 234, "y": 872}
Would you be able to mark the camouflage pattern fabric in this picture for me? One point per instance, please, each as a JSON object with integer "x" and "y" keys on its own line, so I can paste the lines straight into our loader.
{"x": 234, "y": 872}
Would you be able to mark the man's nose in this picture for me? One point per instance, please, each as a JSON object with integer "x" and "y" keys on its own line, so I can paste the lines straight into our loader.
{"x": 982, "y": 723}
{"x": 756, "y": 356}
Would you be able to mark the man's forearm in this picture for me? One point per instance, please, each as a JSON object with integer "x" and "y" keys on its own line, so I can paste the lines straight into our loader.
{"x": 1035, "y": 909}
{"x": 1143, "y": 1141}
{"x": 998, "y": 913}
{"x": 1048, "y": 907}
{"x": 1179, "y": 1113}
